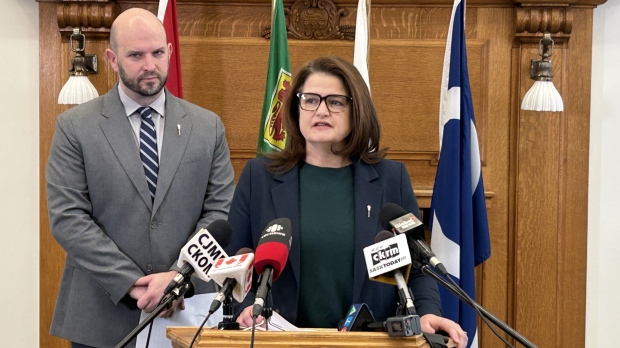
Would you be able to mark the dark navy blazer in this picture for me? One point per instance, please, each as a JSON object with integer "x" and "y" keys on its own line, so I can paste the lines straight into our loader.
{"x": 262, "y": 196}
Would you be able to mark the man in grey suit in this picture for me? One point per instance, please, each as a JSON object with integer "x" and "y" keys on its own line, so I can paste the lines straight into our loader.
{"x": 121, "y": 204}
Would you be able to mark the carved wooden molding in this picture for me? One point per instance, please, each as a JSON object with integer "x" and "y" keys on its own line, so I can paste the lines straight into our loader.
{"x": 92, "y": 17}
{"x": 532, "y": 20}
{"x": 316, "y": 20}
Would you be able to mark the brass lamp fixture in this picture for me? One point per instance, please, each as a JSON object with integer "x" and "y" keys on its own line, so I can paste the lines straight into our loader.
{"x": 78, "y": 88}
{"x": 543, "y": 96}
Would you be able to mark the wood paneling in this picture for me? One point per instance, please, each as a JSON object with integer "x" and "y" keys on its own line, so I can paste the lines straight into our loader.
{"x": 534, "y": 164}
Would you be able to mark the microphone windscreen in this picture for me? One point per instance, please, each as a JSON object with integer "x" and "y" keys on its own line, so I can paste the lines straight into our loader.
{"x": 383, "y": 235}
{"x": 389, "y": 212}
{"x": 273, "y": 247}
{"x": 222, "y": 232}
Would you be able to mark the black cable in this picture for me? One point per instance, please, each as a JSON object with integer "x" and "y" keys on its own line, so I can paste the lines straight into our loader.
{"x": 148, "y": 337}
{"x": 470, "y": 302}
{"x": 253, "y": 329}
{"x": 199, "y": 329}
{"x": 424, "y": 268}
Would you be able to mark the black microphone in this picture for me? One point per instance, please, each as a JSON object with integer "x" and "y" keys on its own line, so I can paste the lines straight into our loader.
{"x": 270, "y": 258}
{"x": 425, "y": 252}
{"x": 201, "y": 252}
{"x": 394, "y": 217}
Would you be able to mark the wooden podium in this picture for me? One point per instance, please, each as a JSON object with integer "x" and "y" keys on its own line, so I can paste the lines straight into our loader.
{"x": 324, "y": 338}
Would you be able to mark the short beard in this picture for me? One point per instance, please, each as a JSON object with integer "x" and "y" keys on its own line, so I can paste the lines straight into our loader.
{"x": 153, "y": 88}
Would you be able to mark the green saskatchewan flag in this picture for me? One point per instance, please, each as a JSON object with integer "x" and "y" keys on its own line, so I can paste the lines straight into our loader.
{"x": 271, "y": 136}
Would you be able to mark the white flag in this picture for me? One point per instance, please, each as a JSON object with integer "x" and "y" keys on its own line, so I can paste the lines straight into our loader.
{"x": 360, "y": 52}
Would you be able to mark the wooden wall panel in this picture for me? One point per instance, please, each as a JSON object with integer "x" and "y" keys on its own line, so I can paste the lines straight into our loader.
{"x": 572, "y": 231}
{"x": 534, "y": 164}
{"x": 494, "y": 25}
{"x": 53, "y": 76}
{"x": 404, "y": 82}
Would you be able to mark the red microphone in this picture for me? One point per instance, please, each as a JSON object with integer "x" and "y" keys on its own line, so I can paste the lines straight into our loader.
{"x": 270, "y": 258}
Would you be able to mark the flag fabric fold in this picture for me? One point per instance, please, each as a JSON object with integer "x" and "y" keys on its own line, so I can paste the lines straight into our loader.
{"x": 460, "y": 233}
{"x": 272, "y": 136}
{"x": 360, "y": 50}
{"x": 167, "y": 14}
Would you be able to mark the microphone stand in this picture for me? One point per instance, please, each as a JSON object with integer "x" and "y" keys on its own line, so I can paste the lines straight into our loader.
{"x": 174, "y": 294}
{"x": 424, "y": 268}
{"x": 267, "y": 311}
{"x": 227, "y": 322}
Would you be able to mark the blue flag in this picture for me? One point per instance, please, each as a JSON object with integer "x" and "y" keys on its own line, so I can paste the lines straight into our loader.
{"x": 460, "y": 231}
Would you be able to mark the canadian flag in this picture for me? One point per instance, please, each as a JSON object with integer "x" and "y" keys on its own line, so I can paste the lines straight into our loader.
{"x": 167, "y": 14}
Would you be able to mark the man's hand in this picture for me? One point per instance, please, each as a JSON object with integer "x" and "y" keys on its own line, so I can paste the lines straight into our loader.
{"x": 431, "y": 323}
{"x": 136, "y": 292}
{"x": 149, "y": 290}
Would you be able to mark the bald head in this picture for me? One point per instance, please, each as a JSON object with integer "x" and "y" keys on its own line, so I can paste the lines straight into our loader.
{"x": 133, "y": 22}
{"x": 140, "y": 54}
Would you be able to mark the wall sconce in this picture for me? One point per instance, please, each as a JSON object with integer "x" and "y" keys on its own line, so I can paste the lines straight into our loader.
{"x": 78, "y": 88}
{"x": 543, "y": 96}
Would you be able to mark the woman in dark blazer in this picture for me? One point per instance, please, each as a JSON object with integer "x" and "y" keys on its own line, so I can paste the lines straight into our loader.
{"x": 330, "y": 181}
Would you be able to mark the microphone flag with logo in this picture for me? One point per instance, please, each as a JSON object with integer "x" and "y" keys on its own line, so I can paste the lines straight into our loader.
{"x": 270, "y": 258}
{"x": 394, "y": 216}
{"x": 389, "y": 257}
{"x": 201, "y": 252}
{"x": 273, "y": 246}
{"x": 386, "y": 256}
{"x": 238, "y": 268}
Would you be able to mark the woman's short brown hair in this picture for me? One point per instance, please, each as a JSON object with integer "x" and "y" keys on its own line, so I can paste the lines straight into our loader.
{"x": 363, "y": 141}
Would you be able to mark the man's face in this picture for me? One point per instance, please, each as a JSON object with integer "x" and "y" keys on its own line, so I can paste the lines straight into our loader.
{"x": 141, "y": 58}
{"x": 145, "y": 83}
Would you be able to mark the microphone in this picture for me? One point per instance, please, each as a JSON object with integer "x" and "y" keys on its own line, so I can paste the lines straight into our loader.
{"x": 386, "y": 259}
{"x": 425, "y": 252}
{"x": 234, "y": 275}
{"x": 270, "y": 258}
{"x": 394, "y": 217}
{"x": 200, "y": 253}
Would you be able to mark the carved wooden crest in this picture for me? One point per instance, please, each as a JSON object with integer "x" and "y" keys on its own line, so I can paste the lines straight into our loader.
{"x": 316, "y": 19}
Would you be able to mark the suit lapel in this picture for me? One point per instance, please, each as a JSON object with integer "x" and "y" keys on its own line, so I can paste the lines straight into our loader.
{"x": 117, "y": 130}
{"x": 285, "y": 197}
{"x": 366, "y": 228}
{"x": 173, "y": 148}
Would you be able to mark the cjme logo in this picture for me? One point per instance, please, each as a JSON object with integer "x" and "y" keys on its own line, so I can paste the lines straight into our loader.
{"x": 389, "y": 252}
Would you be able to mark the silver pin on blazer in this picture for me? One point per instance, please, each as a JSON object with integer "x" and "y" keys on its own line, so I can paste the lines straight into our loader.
{"x": 368, "y": 207}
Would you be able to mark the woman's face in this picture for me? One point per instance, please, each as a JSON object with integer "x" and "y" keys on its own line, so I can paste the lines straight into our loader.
{"x": 323, "y": 128}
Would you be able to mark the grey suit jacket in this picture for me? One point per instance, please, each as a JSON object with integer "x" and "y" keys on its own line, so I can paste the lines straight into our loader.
{"x": 101, "y": 213}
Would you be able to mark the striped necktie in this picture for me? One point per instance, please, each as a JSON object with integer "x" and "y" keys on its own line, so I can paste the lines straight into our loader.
{"x": 148, "y": 148}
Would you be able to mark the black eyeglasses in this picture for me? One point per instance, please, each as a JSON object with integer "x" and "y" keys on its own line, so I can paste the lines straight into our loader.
{"x": 334, "y": 102}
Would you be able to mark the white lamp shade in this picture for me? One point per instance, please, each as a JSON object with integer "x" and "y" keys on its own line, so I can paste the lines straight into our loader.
{"x": 542, "y": 97}
{"x": 77, "y": 90}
